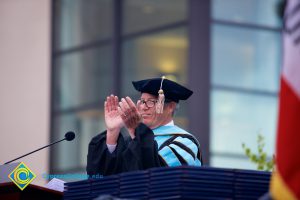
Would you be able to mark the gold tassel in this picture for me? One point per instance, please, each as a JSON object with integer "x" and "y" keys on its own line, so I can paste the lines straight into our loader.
{"x": 161, "y": 98}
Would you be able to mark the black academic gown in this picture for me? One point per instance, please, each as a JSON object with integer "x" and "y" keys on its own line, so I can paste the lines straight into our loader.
{"x": 139, "y": 153}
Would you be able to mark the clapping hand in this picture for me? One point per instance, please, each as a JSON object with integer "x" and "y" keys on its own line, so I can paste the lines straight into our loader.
{"x": 130, "y": 115}
{"x": 113, "y": 120}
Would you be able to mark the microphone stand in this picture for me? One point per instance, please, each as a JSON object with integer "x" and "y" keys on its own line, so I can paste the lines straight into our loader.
{"x": 34, "y": 151}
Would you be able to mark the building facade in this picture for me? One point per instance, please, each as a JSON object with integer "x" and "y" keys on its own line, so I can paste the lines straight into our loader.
{"x": 227, "y": 52}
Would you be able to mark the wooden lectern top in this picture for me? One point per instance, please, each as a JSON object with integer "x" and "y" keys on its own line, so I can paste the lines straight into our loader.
{"x": 10, "y": 191}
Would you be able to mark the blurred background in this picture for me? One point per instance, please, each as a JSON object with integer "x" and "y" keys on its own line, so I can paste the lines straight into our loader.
{"x": 59, "y": 59}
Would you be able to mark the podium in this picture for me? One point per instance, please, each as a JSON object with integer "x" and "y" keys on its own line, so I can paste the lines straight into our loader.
{"x": 9, "y": 191}
{"x": 184, "y": 182}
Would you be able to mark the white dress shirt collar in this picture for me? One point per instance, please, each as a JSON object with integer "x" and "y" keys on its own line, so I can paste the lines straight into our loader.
{"x": 171, "y": 123}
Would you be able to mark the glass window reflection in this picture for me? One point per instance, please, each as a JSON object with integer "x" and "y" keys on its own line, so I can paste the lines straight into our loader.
{"x": 83, "y": 77}
{"x": 251, "y": 56}
{"x": 86, "y": 124}
{"x": 82, "y": 21}
{"x": 154, "y": 55}
{"x": 238, "y": 118}
{"x": 140, "y": 15}
{"x": 231, "y": 162}
{"x": 247, "y": 11}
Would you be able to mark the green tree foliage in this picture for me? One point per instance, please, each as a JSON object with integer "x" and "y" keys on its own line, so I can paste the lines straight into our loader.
{"x": 259, "y": 159}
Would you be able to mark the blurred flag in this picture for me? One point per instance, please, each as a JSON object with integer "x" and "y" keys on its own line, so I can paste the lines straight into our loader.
{"x": 285, "y": 183}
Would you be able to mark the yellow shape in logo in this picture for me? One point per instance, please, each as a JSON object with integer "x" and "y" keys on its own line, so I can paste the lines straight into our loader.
{"x": 22, "y": 176}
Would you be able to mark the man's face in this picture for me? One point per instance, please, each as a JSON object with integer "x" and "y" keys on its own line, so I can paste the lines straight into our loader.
{"x": 149, "y": 115}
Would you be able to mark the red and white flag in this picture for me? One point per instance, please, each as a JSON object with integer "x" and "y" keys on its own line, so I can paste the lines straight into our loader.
{"x": 285, "y": 183}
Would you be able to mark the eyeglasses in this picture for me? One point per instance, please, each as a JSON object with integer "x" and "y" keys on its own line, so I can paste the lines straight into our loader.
{"x": 149, "y": 103}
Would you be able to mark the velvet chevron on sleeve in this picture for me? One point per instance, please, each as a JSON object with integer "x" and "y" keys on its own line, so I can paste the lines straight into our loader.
{"x": 177, "y": 147}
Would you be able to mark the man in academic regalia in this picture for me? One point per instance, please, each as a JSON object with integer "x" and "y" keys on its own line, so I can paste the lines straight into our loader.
{"x": 154, "y": 139}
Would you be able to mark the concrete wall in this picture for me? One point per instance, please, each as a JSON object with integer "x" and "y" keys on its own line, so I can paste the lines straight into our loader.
{"x": 25, "y": 82}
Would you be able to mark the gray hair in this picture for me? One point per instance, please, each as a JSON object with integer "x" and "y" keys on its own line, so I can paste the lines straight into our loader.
{"x": 176, "y": 109}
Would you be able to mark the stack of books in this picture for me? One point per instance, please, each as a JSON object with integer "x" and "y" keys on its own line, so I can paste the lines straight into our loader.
{"x": 184, "y": 182}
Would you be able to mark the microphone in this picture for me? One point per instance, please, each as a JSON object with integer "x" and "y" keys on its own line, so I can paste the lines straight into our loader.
{"x": 69, "y": 136}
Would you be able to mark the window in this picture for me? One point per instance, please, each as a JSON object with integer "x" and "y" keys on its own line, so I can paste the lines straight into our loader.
{"x": 245, "y": 57}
